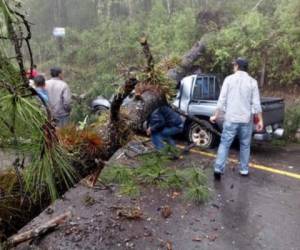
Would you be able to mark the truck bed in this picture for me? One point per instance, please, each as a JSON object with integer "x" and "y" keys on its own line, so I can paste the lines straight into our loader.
{"x": 273, "y": 110}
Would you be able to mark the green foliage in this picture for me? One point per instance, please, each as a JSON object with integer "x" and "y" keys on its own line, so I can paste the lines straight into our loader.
{"x": 154, "y": 171}
{"x": 292, "y": 122}
{"x": 266, "y": 38}
{"x": 196, "y": 184}
{"x": 123, "y": 176}
{"x": 49, "y": 168}
{"x": 117, "y": 174}
{"x": 102, "y": 37}
{"x": 93, "y": 57}
{"x": 23, "y": 121}
{"x": 197, "y": 194}
{"x": 130, "y": 189}
{"x": 49, "y": 173}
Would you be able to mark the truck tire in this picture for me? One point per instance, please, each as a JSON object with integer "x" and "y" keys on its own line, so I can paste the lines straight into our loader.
{"x": 200, "y": 136}
{"x": 98, "y": 110}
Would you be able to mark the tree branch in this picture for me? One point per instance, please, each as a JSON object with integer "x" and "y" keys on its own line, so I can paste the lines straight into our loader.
{"x": 41, "y": 230}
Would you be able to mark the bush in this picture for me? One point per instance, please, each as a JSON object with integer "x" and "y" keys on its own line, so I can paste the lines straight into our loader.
{"x": 292, "y": 122}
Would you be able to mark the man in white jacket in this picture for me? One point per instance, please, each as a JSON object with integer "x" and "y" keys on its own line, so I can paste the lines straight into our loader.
{"x": 59, "y": 97}
{"x": 240, "y": 100}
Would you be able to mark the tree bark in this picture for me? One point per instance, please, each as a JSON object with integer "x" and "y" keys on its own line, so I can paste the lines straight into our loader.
{"x": 96, "y": 11}
{"x": 146, "y": 102}
{"x": 186, "y": 65}
{"x": 36, "y": 232}
{"x": 263, "y": 71}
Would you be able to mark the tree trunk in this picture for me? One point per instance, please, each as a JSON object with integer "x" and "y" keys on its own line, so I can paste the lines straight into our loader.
{"x": 96, "y": 9}
{"x": 149, "y": 100}
{"x": 169, "y": 7}
{"x": 130, "y": 8}
{"x": 263, "y": 71}
{"x": 186, "y": 65}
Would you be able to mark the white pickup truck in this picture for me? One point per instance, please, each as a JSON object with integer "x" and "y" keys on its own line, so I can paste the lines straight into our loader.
{"x": 198, "y": 95}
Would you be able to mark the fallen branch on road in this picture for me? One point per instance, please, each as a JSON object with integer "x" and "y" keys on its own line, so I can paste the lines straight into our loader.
{"x": 41, "y": 230}
{"x": 195, "y": 119}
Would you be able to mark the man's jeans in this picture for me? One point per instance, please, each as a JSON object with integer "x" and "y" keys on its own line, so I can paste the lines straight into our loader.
{"x": 166, "y": 134}
{"x": 244, "y": 133}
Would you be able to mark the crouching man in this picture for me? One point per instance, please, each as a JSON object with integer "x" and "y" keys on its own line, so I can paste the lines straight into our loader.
{"x": 164, "y": 123}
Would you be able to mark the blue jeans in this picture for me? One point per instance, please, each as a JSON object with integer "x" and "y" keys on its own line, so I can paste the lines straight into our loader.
{"x": 230, "y": 130}
{"x": 62, "y": 121}
{"x": 166, "y": 134}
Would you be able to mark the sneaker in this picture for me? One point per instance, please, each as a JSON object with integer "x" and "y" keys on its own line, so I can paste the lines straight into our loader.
{"x": 244, "y": 172}
{"x": 217, "y": 176}
{"x": 173, "y": 157}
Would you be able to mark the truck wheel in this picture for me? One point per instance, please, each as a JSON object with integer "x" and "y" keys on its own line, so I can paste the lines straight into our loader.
{"x": 98, "y": 110}
{"x": 200, "y": 135}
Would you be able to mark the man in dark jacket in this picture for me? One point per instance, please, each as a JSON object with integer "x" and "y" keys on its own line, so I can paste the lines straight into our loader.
{"x": 164, "y": 123}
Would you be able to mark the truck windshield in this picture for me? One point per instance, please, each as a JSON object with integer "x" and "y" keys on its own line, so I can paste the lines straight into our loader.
{"x": 206, "y": 88}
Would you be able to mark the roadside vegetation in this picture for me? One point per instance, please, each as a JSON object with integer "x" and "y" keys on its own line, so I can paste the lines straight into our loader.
{"x": 292, "y": 123}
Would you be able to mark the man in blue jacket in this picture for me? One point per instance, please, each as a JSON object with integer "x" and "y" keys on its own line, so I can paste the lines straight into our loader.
{"x": 164, "y": 123}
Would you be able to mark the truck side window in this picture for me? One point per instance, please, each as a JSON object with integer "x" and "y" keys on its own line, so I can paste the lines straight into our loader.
{"x": 205, "y": 88}
{"x": 202, "y": 89}
{"x": 197, "y": 93}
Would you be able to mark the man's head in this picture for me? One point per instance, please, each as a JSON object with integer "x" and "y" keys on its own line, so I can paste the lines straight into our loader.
{"x": 240, "y": 64}
{"x": 56, "y": 72}
{"x": 39, "y": 81}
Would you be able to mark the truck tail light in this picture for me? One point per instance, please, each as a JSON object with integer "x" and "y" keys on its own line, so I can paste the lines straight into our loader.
{"x": 255, "y": 119}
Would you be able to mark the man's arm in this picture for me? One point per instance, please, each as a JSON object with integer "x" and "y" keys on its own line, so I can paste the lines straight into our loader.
{"x": 260, "y": 124}
{"x": 156, "y": 122}
{"x": 256, "y": 108}
{"x": 221, "y": 102}
{"x": 66, "y": 98}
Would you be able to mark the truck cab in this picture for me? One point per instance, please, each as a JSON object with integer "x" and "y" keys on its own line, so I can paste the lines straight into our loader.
{"x": 198, "y": 96}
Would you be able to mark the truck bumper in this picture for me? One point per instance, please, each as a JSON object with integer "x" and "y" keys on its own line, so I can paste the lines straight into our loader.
{"x": 276, "y": 134}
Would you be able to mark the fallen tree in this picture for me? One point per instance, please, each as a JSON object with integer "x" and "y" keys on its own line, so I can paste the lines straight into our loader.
{"x": 158, "y": 83}
{"x": 186, "y": 65}
{"x": 59, "y": 158}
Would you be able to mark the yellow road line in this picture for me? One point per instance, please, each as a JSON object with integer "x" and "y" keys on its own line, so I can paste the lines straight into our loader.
{"x": 252, "y": 165}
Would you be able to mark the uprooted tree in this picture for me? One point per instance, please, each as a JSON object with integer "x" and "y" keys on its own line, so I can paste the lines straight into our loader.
{"x": 47, "y": 160}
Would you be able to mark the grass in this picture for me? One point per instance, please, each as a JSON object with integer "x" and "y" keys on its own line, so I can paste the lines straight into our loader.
{"x": 154, "y": 170}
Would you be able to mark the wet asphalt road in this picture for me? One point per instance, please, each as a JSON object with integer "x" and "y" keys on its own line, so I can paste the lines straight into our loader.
{"x": 261, "y": 211}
